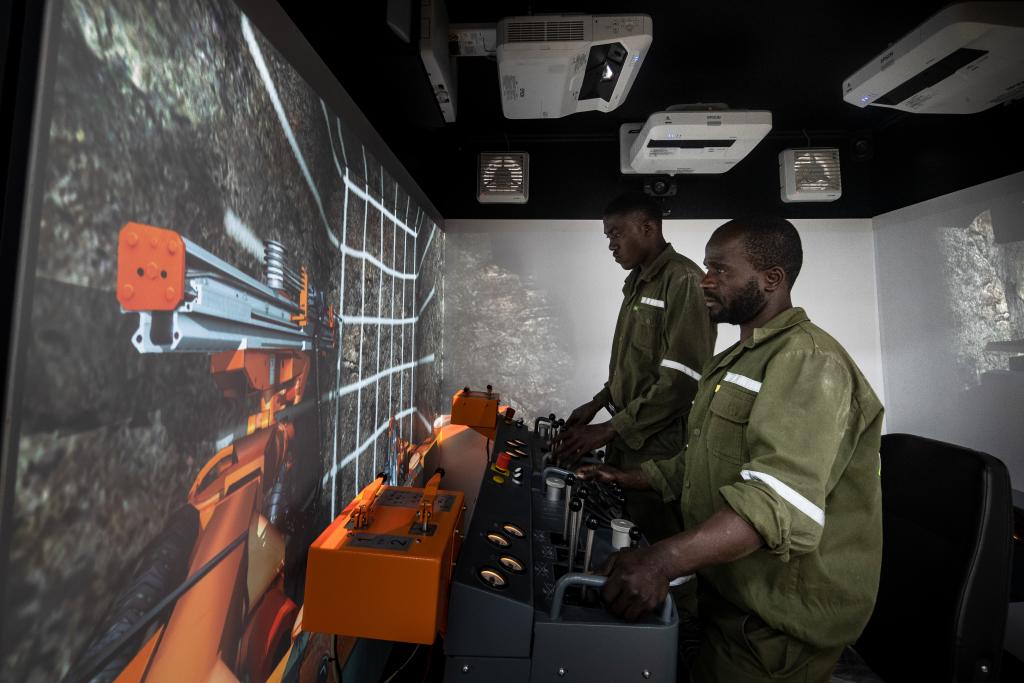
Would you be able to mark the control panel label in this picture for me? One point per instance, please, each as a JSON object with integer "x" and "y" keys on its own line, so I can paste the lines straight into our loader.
{"x": 396, "y": 498}
{"x": 379, "y": 541}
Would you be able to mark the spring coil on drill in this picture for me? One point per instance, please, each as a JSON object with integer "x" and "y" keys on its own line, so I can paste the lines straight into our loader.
{"x": 276, "y": 271}
{"x": 274, "y": 255}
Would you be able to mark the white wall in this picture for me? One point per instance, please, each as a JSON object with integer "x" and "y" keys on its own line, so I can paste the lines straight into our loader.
{"x": 948, "y": 287}
{"x": 568, "y": 263}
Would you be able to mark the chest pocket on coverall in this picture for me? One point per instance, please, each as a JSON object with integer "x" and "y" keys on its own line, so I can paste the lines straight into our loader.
{"x": 646, "y": 328}
{"x": 727, "y": 427}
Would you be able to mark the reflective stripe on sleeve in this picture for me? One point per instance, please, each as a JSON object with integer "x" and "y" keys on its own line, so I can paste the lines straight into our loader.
{"x": 689, "y": 372}
{"x": 789, "y": 495}
{"x": 657, "y": 303}
{"x": 745, "y": 382}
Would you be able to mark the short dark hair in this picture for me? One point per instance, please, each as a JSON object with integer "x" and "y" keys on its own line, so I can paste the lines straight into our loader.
{"x": 635, "y": 202}
{"x": 769, "y": 241}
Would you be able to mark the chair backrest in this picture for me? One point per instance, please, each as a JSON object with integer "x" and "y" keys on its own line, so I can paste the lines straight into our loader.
{"x": 947, "y": 543}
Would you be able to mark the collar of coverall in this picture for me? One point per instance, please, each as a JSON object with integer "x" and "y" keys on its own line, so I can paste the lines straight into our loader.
{"x": 651, "y": 272}
{"x": 780, "y": 323}
{"x": 783, "y": 321}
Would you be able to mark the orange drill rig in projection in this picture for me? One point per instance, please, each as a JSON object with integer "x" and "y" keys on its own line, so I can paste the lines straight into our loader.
{"x": 227, "y": 616}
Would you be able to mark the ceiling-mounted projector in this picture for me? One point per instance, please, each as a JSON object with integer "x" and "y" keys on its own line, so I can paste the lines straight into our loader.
{"x": 963, "y": 60}
{"x": 553, "y": 66}
{"x": 691, "y": 139}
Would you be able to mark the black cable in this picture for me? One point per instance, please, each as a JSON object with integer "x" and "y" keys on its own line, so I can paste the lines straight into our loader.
{"x": 86, "y": 669}
{"x": 430, "y": 660}
{"x": 337, "y": 663}
{"x": 399, "y": 669}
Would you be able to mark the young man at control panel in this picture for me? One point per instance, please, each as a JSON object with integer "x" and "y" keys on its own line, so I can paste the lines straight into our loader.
{"x": 663, "y": 337}
{"x": 779, "y": 483}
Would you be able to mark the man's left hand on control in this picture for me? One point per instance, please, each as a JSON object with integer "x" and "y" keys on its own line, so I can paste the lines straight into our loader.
{"x": 576, "y": 441}
{"x": 636, "y": 584}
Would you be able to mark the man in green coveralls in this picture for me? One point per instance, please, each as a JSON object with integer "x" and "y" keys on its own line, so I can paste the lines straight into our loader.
{"x": 779, "y": 483}
{"x": 663, "y": 337}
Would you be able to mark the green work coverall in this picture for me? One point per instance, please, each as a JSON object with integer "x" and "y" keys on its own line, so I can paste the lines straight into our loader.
{"x": 663, "y": 337}
{"x": 785, "y": 430}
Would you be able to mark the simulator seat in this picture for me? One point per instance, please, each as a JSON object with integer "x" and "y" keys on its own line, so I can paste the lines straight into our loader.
{"x": 942, "y": 601}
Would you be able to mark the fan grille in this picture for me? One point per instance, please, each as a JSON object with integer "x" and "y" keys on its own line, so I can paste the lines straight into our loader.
{"x": 503, "y": 177}
{"x": 542, "y": 31}
{"x": 503, "y": 173}
{"x": 817, "y": 170}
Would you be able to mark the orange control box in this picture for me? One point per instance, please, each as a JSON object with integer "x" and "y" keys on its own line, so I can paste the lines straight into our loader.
{"x": 382, "y": 568}
{"x": 476, "y": 409}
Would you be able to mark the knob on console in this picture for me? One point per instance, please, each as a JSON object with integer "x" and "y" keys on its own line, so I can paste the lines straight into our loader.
{"x": 501, "y": 464}
{"x": 620, "y": 533}
{"x": 555, "y": 487}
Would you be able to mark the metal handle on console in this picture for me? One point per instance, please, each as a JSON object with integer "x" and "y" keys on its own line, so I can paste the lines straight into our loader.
{"x": 577, "y": 579}
{"x": 557, "y": 471}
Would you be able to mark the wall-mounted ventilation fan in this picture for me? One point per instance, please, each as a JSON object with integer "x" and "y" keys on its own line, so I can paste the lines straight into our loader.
{"x": 810, "y": 174}
{"x": 503, "y": 178}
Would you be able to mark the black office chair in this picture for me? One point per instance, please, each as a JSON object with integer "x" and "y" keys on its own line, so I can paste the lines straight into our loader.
{"x": 942, "y": 601}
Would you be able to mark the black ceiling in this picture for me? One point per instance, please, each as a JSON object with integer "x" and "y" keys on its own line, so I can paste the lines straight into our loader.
{"x": 789, "y": 57}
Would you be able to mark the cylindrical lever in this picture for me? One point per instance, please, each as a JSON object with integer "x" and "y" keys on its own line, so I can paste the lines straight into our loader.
{"x": 576, "y": 508}
{"x": 592, "y": 525}
{"x": 578, "y": 520}
{"x": 570, "y": 483}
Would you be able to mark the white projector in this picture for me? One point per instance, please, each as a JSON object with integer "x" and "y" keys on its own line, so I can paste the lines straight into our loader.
{"x": 963, "y": 60}
{"x": 553, "y": 66}
{"x": 679, "y": 141}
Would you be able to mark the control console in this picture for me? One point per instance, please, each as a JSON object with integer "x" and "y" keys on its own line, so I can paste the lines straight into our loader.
{"x": 525, "y": 599}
